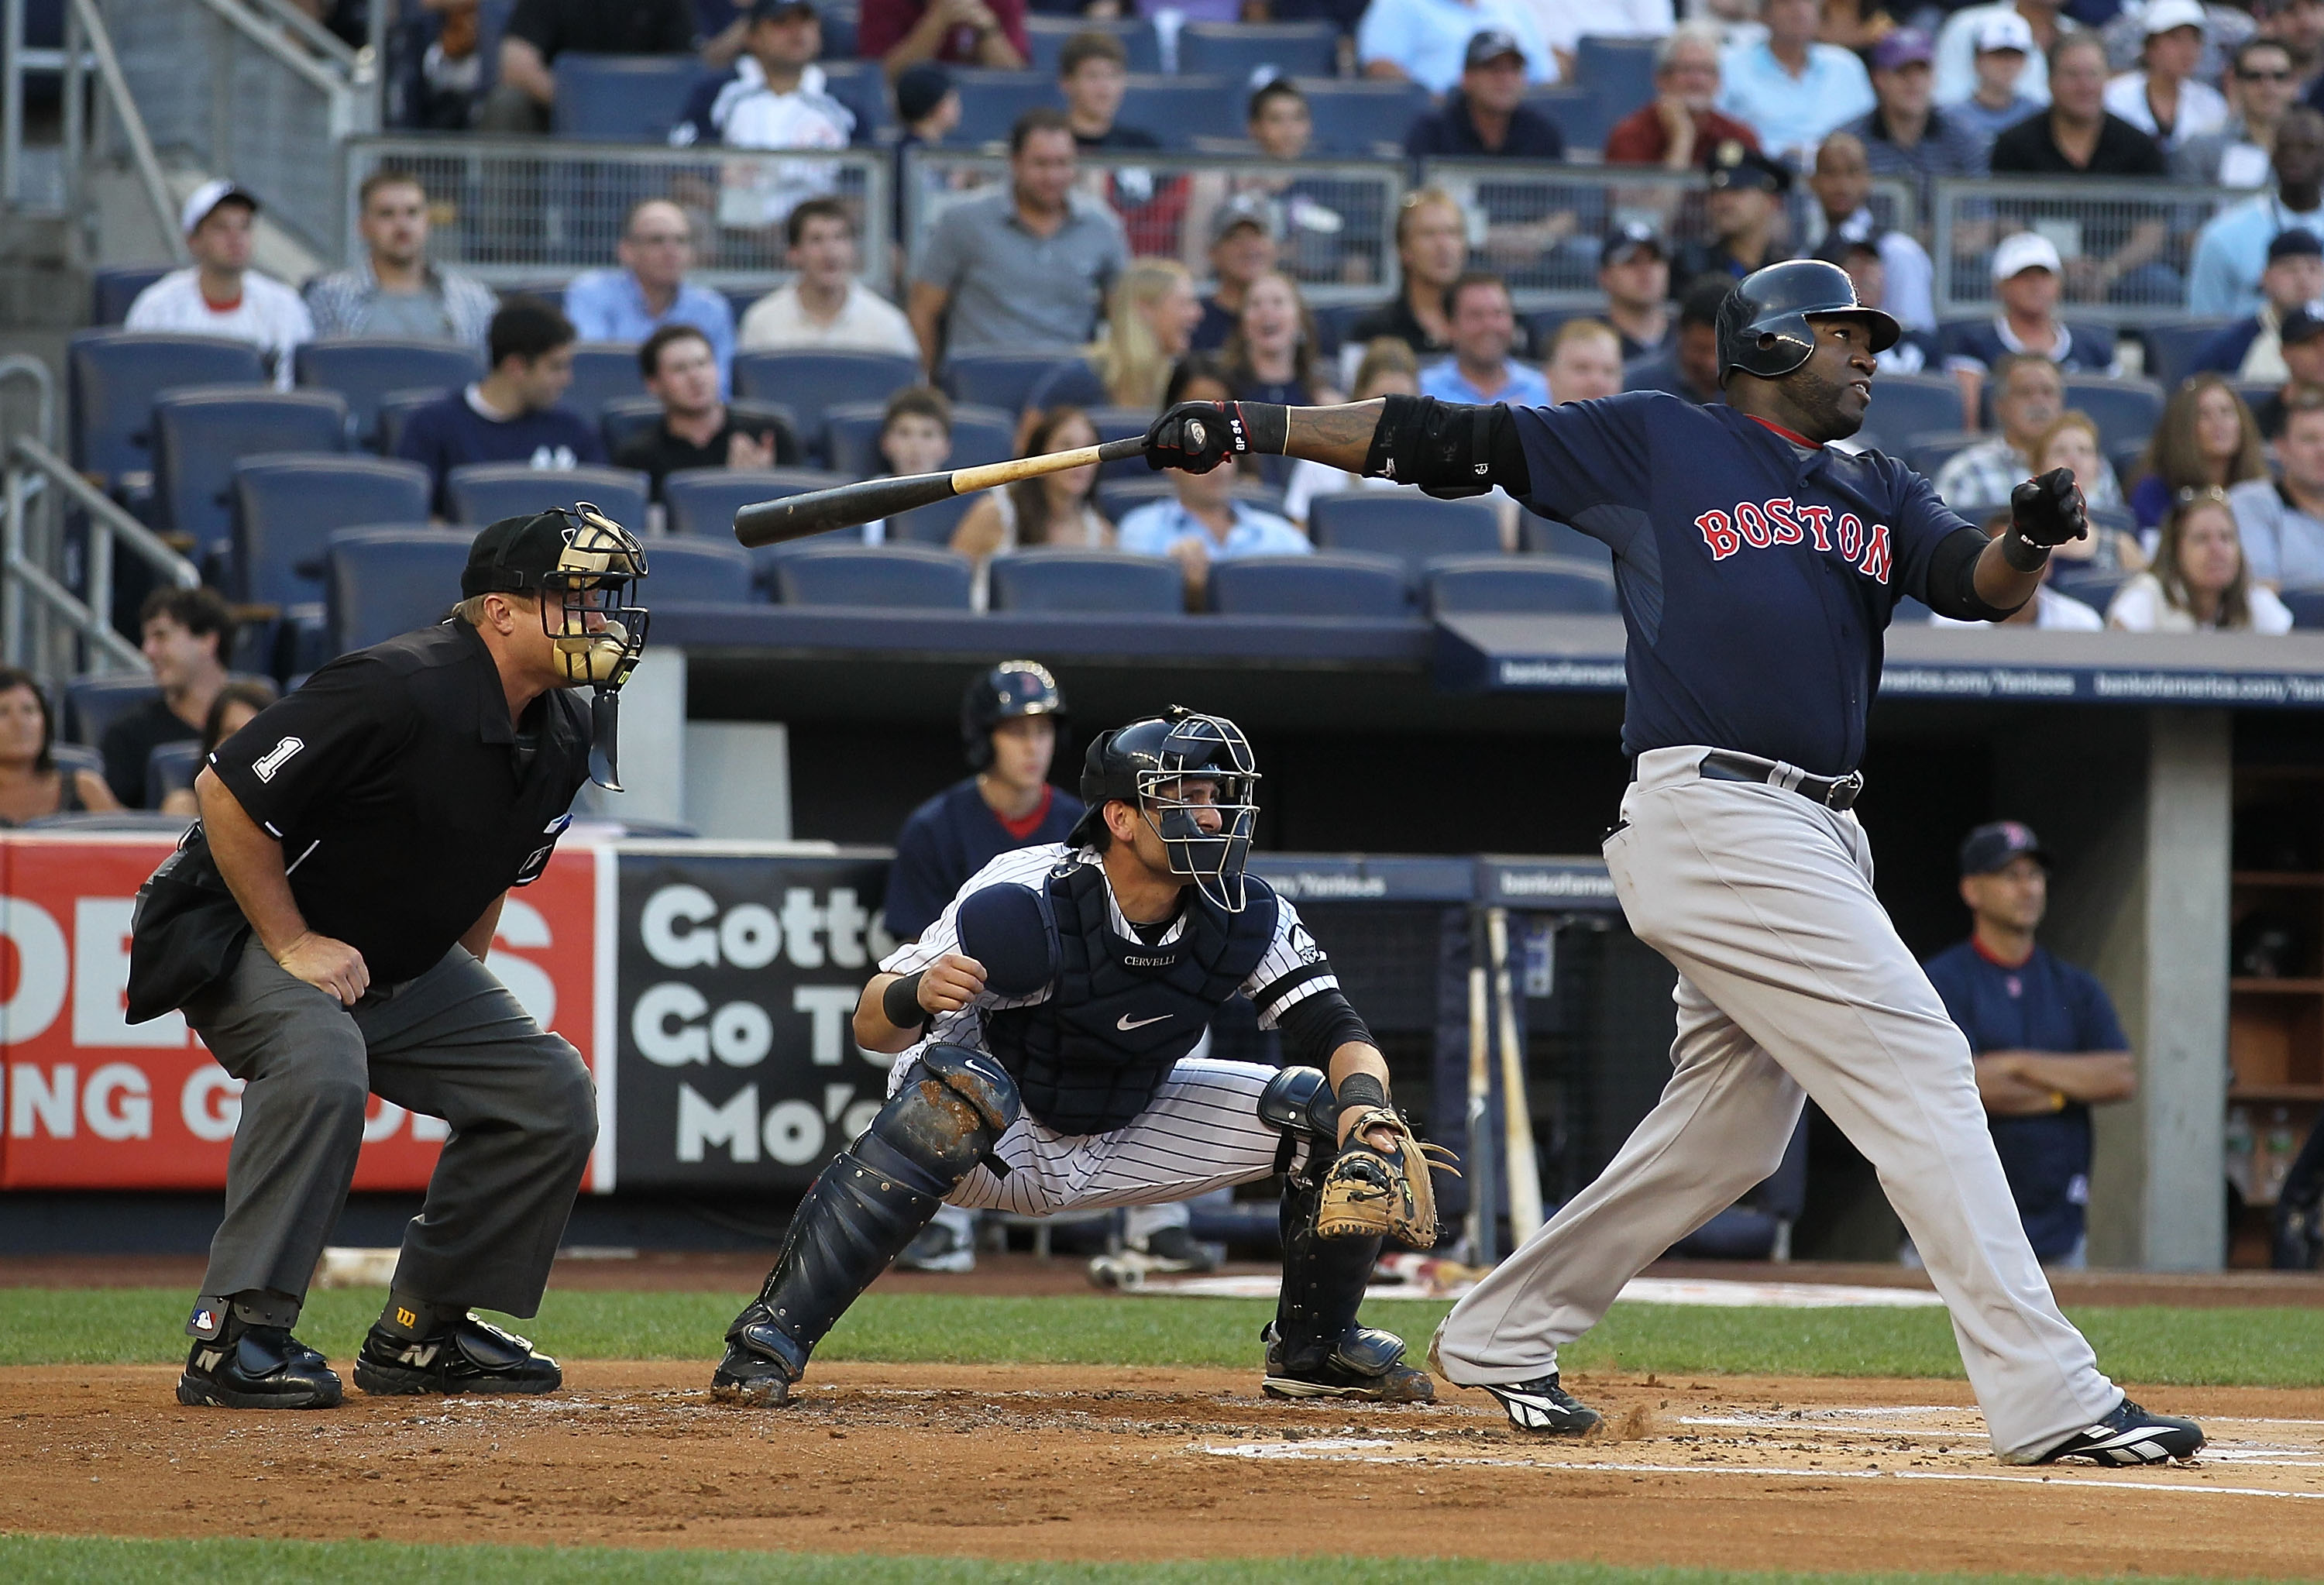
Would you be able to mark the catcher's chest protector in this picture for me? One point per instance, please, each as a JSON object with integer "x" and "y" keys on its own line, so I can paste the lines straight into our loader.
{"x": 1089, "y": 1058}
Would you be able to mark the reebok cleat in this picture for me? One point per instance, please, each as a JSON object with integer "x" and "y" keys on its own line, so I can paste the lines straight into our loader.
{"x": 1540, "y": 1407}
{"x": 2130, "y": 1436}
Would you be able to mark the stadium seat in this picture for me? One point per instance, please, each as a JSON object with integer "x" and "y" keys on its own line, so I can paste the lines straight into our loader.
{"x": 602, "y": 371}
{"x": 2306, "y": 605}
{"x": 851, "y": 432}
{"x": 1106, "y": 582}
{"x": 1907, "y": 408}
{"x": 1577, "y": 112}
{"x": 364, "y": 371}
{"x": 2124, "y": 410}
{"x": 1545, "y": 585}
{"x": 382, "y": 582}
{"x": 485, "y": 493}
{"x": 112, "y": 377}
{"x": 932, "y": 524}
{"x": 1621, "y": 70}
{"x": 1412, "y": 529}
{"x": 1909, "y": 613}
{"x": 1047, "y": 36}
{"x": 286, "y": 507}
{"x": 702, "y": 502}
{"x": 95, "y": 702}
{"x": 78, "y": 757}
{"x": 1541, "y": 537}
{"x": 2171, "y": 349}
{"x": 201, "y": 433}
{"x": 992, "y": 101}
{"x": 1119, "y": 423}
{"x": 2127, "y": 459}
{"x": 622, "y": 98}
{"x": 697, "y": 571}
{"x": 1327, "y": 584}
{"x": 1361, "y": 115}
{"x": 811, "y": 382}
{"x": 1239, "y": 51}
{"x": 1930, "y": 453}
{"x": 1175, "y": 109}
{"x": 1076, "y": 383}
{"x": 901, "y": 578}
{"x": 1004, "y": 380}
{"x": 171, "y": 768}
{"x": 2095, "y": 589}
{"x": 114, "y": 286}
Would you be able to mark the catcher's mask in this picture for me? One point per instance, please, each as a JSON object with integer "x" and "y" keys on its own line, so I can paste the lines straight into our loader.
{"x": 1192, "y": 779}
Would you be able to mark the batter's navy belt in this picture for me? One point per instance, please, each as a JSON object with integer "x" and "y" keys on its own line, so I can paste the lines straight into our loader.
{"x": 1833, "y": 792}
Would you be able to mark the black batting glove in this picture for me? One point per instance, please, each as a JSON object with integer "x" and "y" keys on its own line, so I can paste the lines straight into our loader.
{"x": 2049, "y": 510}
{"x": 1195, "y": 435}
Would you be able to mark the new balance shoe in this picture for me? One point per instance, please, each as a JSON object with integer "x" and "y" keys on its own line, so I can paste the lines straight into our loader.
{"x": 1174, "y": 1248}
{"x": 2130, "y": 1436}
{"x": 1540, "y": 1407}
{"x": 473, "y": 1357}
{"x": 257, "y": 1367}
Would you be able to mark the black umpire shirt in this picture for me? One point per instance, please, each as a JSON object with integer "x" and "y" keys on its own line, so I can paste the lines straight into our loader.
{"x": 403, "y": 800}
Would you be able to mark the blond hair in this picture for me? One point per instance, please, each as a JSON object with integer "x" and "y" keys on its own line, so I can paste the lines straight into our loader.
{"x": 1128, "y": 359}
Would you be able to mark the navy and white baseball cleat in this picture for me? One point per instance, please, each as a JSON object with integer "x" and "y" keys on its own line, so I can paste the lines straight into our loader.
{"x": 2130, "y": 1436}
{"x": 1540, "y": 1407}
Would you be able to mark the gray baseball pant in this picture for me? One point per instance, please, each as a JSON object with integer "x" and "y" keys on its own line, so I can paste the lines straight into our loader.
{"x": 1793, "y": 981}
{"x": 451, "y": 1044}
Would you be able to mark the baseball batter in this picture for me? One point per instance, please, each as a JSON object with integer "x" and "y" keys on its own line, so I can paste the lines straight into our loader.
{"x": 1756, "y": 568}
{"x": 1044, "y": 1026}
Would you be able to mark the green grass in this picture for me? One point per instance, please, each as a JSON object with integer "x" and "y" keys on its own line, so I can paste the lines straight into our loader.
{"x": 2206, "y": 1347}
{"x": 29, "y": 1560}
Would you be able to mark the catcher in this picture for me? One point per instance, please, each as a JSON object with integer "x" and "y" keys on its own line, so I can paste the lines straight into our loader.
{"x": 1043, "y": 1025}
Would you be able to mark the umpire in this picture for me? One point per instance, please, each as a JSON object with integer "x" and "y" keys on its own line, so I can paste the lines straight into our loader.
{"x": 324, "y": 929}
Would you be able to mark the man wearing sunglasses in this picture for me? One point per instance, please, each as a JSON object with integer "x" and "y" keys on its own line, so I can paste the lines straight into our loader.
{"x": 2262, "y": 84}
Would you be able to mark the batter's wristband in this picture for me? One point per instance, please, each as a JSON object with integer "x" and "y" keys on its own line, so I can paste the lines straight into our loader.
{"x": 1263, "y": 426}
{"x": 2021, "y": 552}
{"x": 901, "y": 1003}
{"x": 1362, "y": 1090}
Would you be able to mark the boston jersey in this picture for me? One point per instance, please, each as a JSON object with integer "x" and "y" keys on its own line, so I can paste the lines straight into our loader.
{"x": 1755, "y": 573}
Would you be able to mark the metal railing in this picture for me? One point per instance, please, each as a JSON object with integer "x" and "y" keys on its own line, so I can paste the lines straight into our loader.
{"x": 2127, "y": 246}
{"x": 1539, "y": 225}
{"x": 1337, "y": 217}
{"x": 519, "y": 211}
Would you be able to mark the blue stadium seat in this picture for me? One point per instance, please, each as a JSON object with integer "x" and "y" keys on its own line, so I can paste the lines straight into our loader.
{"x": 1412, "y": 529}
{"x": 114, "y": 286}
{"x": 1905, "y": 408}
{"x": 851, "y": 430}
{"x": 1004, "y": 380}
{"x": 76, "y": 758}
{"x": 362, "y": 372}
{"x": 1075, "y": 383}
{"x": 702, "y": 502}
{"x": 2094, "y": 589}
{"x": 2171, "y": 349}
{"x": 992, "y": 101}
{"x": 1909, "y": 613}
{"x": 1530, "y": 584}
{"x": 2126, "y": 459}
{"x": 1240, "y": 50}
{"x": 622, "y": 98}
{"x": 1930, "y": 453}
{"x": 2124, "y": 410}
{"x": 1176, "y": 109}
{"x": 839, "y": 30}
{"x": 1622, "y": 71}
{"x": 1576, "y": 110}
{"x": 1106, "y": 582}
{"x": 810, "y": 382}
{"x": 1118, "y": 423}
{"x": 933, "y": 524}
{"x": 112, "y": 377}
{"x": 286, "y": 507}
{"x": 1327, "y": 584}
{"x": 602, "y": 371}
{"x": 395, "y": 408}
{"x": 697, "y": 571}
{"x": 201, "y": 432}
{"x": 2306, "y": 605}
{"x": 93, "y": 702}
{"x": 1541, "y": 537}
{"x": 900, "y": 577}
{"x": 1359, "y": 115}
{"x": 171, "y": 768}
{"x": 485, "y": 493}
{"x": 382, "y": 582}
{"x": 1047, "y": 36}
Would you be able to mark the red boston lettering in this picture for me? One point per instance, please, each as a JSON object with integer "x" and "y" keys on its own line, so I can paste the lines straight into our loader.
{"x": 1876, "y": 562}
{"x": 1753, "y": 524}
{"x": 1780, "y": 517}
{"x": 1719, "y": 533}
{"x": 1818, "y": 520}
{"x": 1851, "y": 535}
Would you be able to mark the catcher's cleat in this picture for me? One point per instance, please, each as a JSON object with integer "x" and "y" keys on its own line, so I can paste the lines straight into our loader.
{"x": 2130, "y": 1436}
{"x": 759, "y": 1364}
{"x": 257, "y": 1367}
{"x": 1366, "y": 1364}
{"x": 1540, "y": 1407}
{"x": 471, "y": 1357}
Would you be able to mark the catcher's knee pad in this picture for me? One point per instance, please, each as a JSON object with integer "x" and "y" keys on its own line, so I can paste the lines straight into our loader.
{"x": 1298, "y": 1104}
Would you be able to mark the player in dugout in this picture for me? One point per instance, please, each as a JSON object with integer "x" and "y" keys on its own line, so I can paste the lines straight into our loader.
{"x": 1044, "y": 1028}
{"x": 324, "y": 928}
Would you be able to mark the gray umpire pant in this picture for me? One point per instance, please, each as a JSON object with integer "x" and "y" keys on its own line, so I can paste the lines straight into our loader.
{"x": 451, "y": 1044}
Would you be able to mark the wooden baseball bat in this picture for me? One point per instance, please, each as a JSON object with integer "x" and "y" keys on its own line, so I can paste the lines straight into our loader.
{"x": 1517, "y": 1115}
{"x": 1484, "y": 1211}
{"x": 846, "y": 506}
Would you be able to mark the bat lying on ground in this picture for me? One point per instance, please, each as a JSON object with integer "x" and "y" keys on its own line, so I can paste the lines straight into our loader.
{"x": 846, "y": 506}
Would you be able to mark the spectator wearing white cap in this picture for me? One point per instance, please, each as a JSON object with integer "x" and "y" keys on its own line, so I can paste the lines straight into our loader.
{"x": 219, "y": 294}
{"x": 2026, "y": 277}
{"x": 2262, "y": 84}
{"x": 1790, "y": 89}
{"x": 1958, "y": 45}
{"x": 2003, "y": 44}
{"x": 1902, "y": 135}
{"x": 2231, "y": 250}
{"x": 2165, "y": 99}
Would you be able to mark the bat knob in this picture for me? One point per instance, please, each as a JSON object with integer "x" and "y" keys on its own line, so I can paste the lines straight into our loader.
{"x": 1196, "y": 435}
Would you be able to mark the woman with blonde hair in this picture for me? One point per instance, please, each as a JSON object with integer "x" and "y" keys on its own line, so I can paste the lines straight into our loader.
{"x": 2071, "y": 442}
{"x": 1149, "y": 321}
{"x": 2206, "y": 438}
{"x": 1055, "y": 509}
{"x": 2200, "y": 581}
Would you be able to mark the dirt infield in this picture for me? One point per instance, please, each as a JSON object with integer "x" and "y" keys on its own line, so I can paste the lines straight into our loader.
{"x": 1050, "y": 1462}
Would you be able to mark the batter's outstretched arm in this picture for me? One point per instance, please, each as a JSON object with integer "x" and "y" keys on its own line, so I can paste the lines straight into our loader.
{"x": 1442, "y": 447}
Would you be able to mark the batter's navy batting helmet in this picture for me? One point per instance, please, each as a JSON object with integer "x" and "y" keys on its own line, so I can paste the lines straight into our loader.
{"x": 1762, "y": 323}
{"x": 1013, "y": 689}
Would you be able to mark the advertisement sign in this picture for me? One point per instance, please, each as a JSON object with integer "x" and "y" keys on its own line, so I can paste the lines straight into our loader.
{"x": 89, "y": 1101}
{"x": 739, "y": 975}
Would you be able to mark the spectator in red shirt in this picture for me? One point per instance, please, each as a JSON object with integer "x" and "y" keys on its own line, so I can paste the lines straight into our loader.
{"x": 899, "y": 33}
{"x": 1678, "y": 129}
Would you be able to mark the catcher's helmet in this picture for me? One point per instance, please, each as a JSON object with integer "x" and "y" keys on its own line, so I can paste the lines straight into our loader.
{"x": 1763, "y": 323}
{"x": 1011, "y": 690}
{"x": 1149, "y": 765}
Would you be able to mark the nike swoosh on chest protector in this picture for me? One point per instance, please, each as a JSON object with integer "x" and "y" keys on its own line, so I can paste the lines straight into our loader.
{"x": 1125, "y": 1024}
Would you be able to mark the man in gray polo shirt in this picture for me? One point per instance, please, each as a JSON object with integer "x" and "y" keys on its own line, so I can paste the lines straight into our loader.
{"x": 2282, "y": 520}
{"x": 1026, "y": 270}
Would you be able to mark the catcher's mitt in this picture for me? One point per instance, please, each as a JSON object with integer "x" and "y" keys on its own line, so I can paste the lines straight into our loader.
{"x": 1369, "y": 1192}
